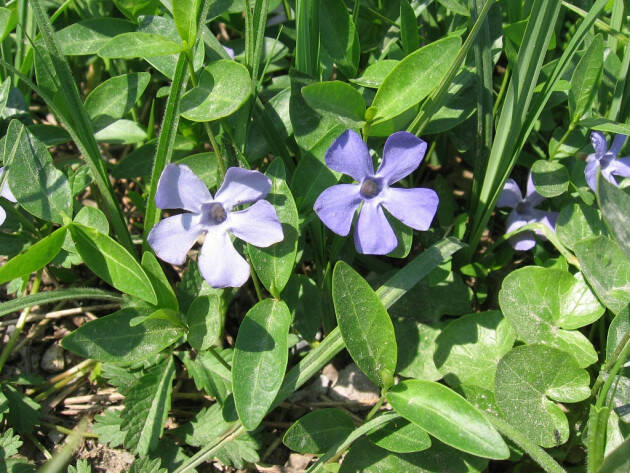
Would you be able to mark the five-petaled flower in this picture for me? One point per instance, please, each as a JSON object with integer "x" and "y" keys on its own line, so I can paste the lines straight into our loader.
{"x": 7, "y": 194}
{"x": 336, "y": 206}
{"x": 606, "y": 159}
{"x": 523, "y": 212}
{"x": 219, "y": 263}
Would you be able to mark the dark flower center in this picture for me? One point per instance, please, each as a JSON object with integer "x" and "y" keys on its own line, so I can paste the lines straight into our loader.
{"x": 369, "y": 188}
{"x": 213, "y": 214}
{"x": 523, "y": 208}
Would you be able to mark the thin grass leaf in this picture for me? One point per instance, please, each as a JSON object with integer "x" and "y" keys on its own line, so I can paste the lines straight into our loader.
{"x": 307, "y": 43}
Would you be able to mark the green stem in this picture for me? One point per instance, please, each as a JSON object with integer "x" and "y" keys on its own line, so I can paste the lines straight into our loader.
{"x": 619, "y": 362}
{"x": 219, "y": 358}
{"x": 19, "y": 326}
{"x": 564, "y": 137}
{"x": 536, "y": 453}
{"x": 375, "y": 408}
{"x": 502, "y": 91}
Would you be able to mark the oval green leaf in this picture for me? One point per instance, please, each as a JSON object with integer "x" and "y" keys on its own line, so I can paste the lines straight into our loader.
{"x": 586, "y": 78}
{"x": 447, "y": 416}
{"x": 615, "y": 205}
{"x": 139, "y": 44}
{"x": 260, "y": 360}
{"x": 112, "y": 263}
{"x": 400, "y": 436}
{"x": 414, "y": 78}
{"x": 204, "y": 321}
{"x": 88, "y": 36}
{"x": 365, "y": 325}
{"x": 318, "y": 431}
{"x": 551, "y": 178}
{"x": 337, "y": 98}
{"x": 578, "y": 221}
{"x": 223, "y": 88}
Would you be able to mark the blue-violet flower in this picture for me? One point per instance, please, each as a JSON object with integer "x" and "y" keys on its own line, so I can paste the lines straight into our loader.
{"x": 336, "y": 206}
{"x": 219, "y": 263}
{"x": 7, "y": 194}
{"x": 606, "y": 159}
{"x": 523, "y": 212}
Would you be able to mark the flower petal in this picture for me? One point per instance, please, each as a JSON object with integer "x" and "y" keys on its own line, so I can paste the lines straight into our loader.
{"x": 599, "y": 143}
{"x": 546, "y": 218}
{"x": 621, "y": 167}
{"x": 258, "y": 224}
{"x": 180, "y": 188}
{"x": 373, "y": 234}
{"x": 350, "y": 155}
{"x": 173, "y": 237}
{"x": 532, "y": 196}
{"x": 3, "y": 215}
{"x": 402, "y": 154}
{"x": 617, "y": 144}
{"x": 523, "y": 241}
{"x": 220, "y": 264}
{"x": 6, "y": 192}
{"x": 242, "y": 186}
{"x": 336, "y": 206}
{"x": 414, "y": 207}
{"x": 590, "y": 173}
{"x": 510, "y": 195}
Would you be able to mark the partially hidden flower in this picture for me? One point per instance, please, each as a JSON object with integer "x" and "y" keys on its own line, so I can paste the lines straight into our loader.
{"x": 7, "y": 194}
{"x": 524, "y": 212}
{"x": 336, "y": 206}
{"x": 219, "y": 262}
{"x": 606, "y": 159}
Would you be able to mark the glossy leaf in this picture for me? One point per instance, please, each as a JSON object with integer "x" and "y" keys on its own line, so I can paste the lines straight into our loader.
{"x": 318, "y": 431}
{"x": 414, "y": 78}
{"x": 416, "y": 346}
{"x": 204, "y": 321}
{"x": 586, "y": 79}
{"x": 374, "y": 75}
{"x": 274, "y": 264}
{"x": 578, "y": 221}
{"x": 305, "y": 301}
{"x": 617, "y": 329}
{"x": 469, "y": 348}
{"x": 551, "y": 178}
{"x": 223, "y": 88}
{"x": 338, "y": 35}
{"x": 185, "y": 13}
{"x": 409, "y": 36}
{"x": 166, "y": 298}
{"x": 400, "y": 436}
{"x": 35, "y": 258}
{"x": 447, "y": 416}
{"x": 615, "y": 205}
{"x": 260, "y": 360}
{"x": 605, "y": 125}
{"x": 337, "y": 98}
{"x": 365, "y": 325}
{"x": 112, "y": 263}
{"x": 607, "y": 270}
{"x": 527, "y": 379}
{"x": 543, "y": 304}
{"x": 113, "y": 339}
{"x": 36, "y": 183}
{"x": 88, "y": 36}
{"x": 139, "y": 44}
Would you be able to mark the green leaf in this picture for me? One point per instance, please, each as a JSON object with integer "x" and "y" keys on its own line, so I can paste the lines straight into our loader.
{"x": 416, "y": 346}
{"x": 113, "y": 339}
{"x": 147, "y": 465}
{"x": 339, "y": 36}
{"x": 132, "y": 9}
{"x": 35, "y": 258}
{"x": 209, "y": 374}
{"x": 469, "y": 348}
{"x": 409, "y": 35}
{"x": 88, "y": 36}
{"x": 146, "y": 407}
{"x": 36, "y": 183}
{"x": 185, "y": 13}
{"x": 224, "y": 86}
{"x": 115, "y": 97}
{"x": 551, "y": 178}
{"x": 166, "y": 298}
{"x": 304, "y": 298}
{"x": 9, "y": 444}
{"x": 139, "y": 44}
{"x": 121, "y": 132}
{"x": 617, "y": 330}
{"x": 414, "y": 78}
{"x": 260, "y": 360}
{"x": 365, "y": 325}
{"x": 204, "y": 321}
{"x": 274, "y": 264}
{"x": 615, "y": 205}
{"x": 107, "y": 427}
{"x": 578, "y": 221}
{"x": 112, "y": 263}
{"x": 23, "y": 413}
{"x": 337, "y": 98}
{"x": 586, "y": 79}
{"x": 374, "y": 75}
{"x": 527, "y": 378}
{"x": 607, "y": 269}
{"x": 400, "y": 436}
{"x": 608, "y": 126}
{"x": 318, "y": 431}
{"x": 618, "y": 461}
{"x": 8, "y": 21}
{"x": 543, "y": 304}
{"x": 447, "y": 416}
{"x": 365, "y": 457}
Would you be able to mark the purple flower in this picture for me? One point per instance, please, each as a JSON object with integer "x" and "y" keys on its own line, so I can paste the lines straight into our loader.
{"x": 336, "y": 206}
{"x": 606, "y": 159}
{"x": 219, "y": 263}
{"x": 7, "y": 194}
{"x": 523, "y": 212}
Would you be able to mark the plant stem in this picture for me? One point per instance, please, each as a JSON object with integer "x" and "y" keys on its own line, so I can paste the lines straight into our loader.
{"x": 219, "y": 358}
{"x": 562, "y": 140}
{"x": 19, "y": 326}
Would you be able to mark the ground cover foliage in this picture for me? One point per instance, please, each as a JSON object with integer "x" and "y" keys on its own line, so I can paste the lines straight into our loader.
{"x": 212, "y": 211}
